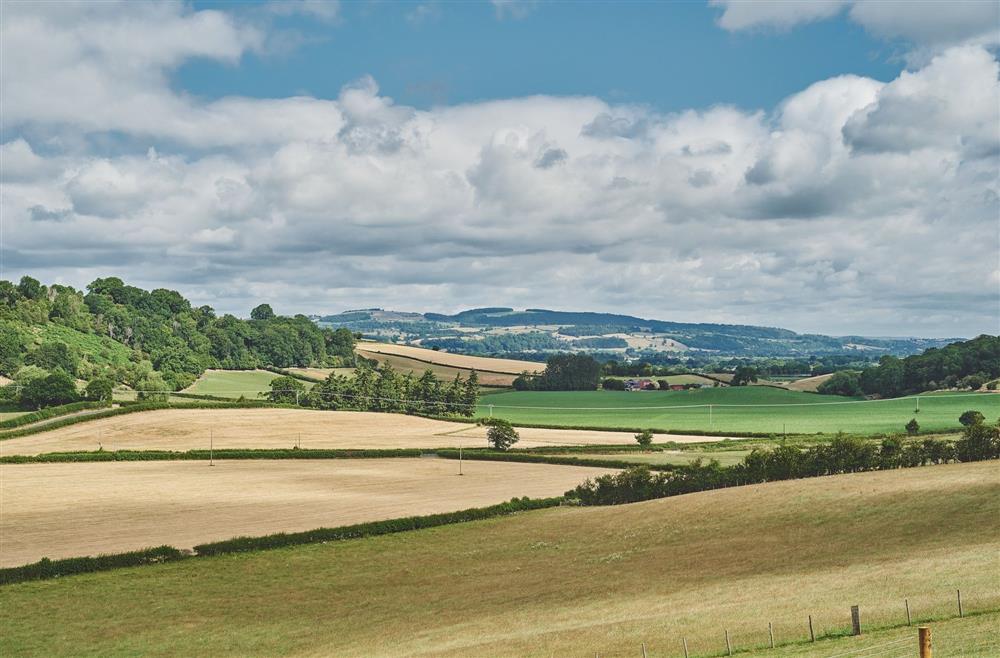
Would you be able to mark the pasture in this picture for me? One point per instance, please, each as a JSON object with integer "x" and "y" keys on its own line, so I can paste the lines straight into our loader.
{"x": 233, "y": 383}
{"x": 66, "y": 510}
{"x": 565, "y": 581}
{"x": 197, "y": 429}
{"x": 735, "y": 409}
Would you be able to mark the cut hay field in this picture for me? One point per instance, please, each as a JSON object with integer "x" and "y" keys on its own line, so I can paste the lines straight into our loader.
{"x": 479, "y": 363}
{"x": 233, "y": 383}
{"x": 735, "y": 409}
{"x": 566, "y": 581}
{"x": 658, "y": 458}
{"x": 808, "y": 384}
{"x": 404, "y": 364}
{"x": 195, "y": 429}
{"x": 66, "y": 510}
{"x": 321, "y": 373}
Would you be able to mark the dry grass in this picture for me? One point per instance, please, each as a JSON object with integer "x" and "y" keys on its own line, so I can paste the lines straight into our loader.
{"x": 480, "y": 363}
{"x": 808, "y": 385}
{"x": 65, "y": 510}
{"x": 405, "y": 364}
{"x": 321, "y": 373}
{"x": 190, "y": 429}
{"x": 560, "y": 582}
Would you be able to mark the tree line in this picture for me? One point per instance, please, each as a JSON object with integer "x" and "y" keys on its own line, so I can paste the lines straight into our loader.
{"x": 383, "y": 389}
{"x": 978, "y": 442}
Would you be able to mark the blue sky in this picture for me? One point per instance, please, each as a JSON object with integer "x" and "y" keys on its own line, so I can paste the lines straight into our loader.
{"x": 829, "y": 166}
{"x": 668, "y": 55}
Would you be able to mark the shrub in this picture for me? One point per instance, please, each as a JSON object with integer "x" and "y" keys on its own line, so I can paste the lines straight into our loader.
{"x": 912, "y": 427}
{"x": 612, "y": 384}
{"x": 970, "y": 418}
{"x": 46, "y": 568}
{"x": 644, "y": 438}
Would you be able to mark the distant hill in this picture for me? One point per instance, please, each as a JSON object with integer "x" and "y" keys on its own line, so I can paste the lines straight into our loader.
{"x": 503, "y": 330}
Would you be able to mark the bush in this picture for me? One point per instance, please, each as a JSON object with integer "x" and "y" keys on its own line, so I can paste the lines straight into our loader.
{"x": 912, "y": 427}
{"x": 845, "y": 382}
{"x": 46, "y": 568}
{"x": 501, "y": 434}
{"x": 644, "y": 438}
{"x": 978, "y": 442}
{"x": 612, "y": 384}
{"x": 53, "y": 389}
{"x": 970, "y": 418}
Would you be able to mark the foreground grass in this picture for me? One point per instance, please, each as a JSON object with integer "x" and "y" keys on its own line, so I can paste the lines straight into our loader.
{"x": 792, "y": 411}
{"x": 567, "y": 581}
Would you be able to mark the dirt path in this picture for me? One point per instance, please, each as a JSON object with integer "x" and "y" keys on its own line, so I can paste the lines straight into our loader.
{"x": 64, "y": 510}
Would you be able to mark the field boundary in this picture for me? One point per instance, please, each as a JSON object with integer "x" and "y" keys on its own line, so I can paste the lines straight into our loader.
{"x": 204, "y": 455}
{"x": 46, "y": 568}
{"x": 50, "y": 412}
{"x": 528, "y": 458}
{"x": 446, "y": 365}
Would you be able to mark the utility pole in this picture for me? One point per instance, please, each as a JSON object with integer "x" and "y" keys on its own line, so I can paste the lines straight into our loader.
{"x": 211, "y": 447}
{"x": 460, "y": 459}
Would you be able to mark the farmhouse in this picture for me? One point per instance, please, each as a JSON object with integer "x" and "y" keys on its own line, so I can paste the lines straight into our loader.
{"x": 639, "y": 385}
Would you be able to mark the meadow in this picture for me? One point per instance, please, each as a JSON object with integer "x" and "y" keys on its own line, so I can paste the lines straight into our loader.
{"x": 735, "y": 409}
{"x": 234, "y": 383}
{"x": 566, "y": 581}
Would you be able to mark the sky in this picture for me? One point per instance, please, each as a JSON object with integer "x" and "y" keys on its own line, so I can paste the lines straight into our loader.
{"x": 830, "y": 166}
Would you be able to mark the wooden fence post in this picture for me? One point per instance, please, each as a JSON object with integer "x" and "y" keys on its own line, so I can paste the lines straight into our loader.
{"x": 812, "y": 635}
{"x": 855, "y": 620}
{"x": 924, "y": 637}
{"x": 960, "y": 603}
{"x": 770, "y": 633}
{"x": 908, "y": 621}
{"x": 644, "y": 650}
{"x": 685, "y": 648}
{"x": 729, "y": 646}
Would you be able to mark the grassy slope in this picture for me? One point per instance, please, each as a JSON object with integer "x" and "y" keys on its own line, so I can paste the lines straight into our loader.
{"x": 567, "y": 581}
{"x": 233, "y": 383}
{"x": 99, "y": 350}
{"x": 937, "y": 412}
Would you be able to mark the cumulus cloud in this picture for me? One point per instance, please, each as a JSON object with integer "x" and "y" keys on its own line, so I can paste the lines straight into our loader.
{"x": 855, "y": 206}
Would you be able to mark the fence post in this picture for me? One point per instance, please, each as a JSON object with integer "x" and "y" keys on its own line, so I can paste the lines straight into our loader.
{"x": 729, "y": 646}
{"x": 855, "y": 620}
{"x": 770, "y": 633}
{"x": 908, "y": 621}
{"x": 812, "y": 635}
{"x": 685, "y": 648}
{"x": 924, "y": 637}
{"x": 959, "y": 603}
{"x": 644, "y": 650}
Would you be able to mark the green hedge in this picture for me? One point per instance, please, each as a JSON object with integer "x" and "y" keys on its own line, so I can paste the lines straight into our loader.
{"x": 46, "y": 568}
{"x": 373, "y": 528}
{"x": 50, "y": 412}
{"x": 170, "y": 455}
{"x": 202, "y": 396}
{"x": 522, "y": 457}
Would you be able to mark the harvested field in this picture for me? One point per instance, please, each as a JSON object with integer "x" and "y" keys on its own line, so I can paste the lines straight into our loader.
{"x": 404, "y": 364}
{"x": 480, "y": 363}
{"x": 188, "y": 429}
{"x": 808, "y": 385}
{"x": 320, "y": 373}
{"x": 65, "y": 510}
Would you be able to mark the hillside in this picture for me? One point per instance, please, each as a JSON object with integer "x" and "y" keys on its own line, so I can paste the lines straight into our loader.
{"x": 501, "y": 330}
{"x": 565, "y": 581}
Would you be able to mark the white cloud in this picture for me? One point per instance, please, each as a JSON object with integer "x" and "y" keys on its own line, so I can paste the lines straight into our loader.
{"x": 855, "y": 206}
{"x": 741, "y": 15}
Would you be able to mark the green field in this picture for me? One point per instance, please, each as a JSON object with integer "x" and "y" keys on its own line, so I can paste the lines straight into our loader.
{"x": 234, "y": 383}
{"x": 739, "y": 409}
{"x": 568, "y": 581}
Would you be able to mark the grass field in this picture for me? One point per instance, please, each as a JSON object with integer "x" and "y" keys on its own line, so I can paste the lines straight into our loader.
{"x": 234, "y": 383}
{"x": 66, "y": 510}
{"x": 564, "y": 582}
{"x": 321, "y": 373}
{"x": 191, "y": 429}
{"x": 480, "y": 363}
{"x": 755, "y": 409}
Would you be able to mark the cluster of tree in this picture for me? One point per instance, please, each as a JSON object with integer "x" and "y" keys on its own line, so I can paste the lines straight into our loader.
{"x": 563, "y": 372}
{"x": 158, "y": 331}
{"x": 743, "y": 375}
{"x": 969, "y": 364}
{"x": 505, "y": 344}
{"x": 842, "y": 455}
{"x": 383, "y": 389}
{"x": 845, "y": 382}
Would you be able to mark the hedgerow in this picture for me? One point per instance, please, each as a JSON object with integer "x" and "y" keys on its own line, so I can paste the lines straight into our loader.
{"x": 373, "y": 528}
{"x": 170, "y": 455}
{"x": 46, "y": 568}
{"x": 50, "y": 412}
{"x": 523, "y": 457}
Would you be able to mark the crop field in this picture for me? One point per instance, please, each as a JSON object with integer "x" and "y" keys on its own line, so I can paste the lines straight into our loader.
{"x": 736, "y": 409}
{"x": 65, "y": 510}
{"x": 565, "y": 581}
{"x": 197, "y": 429}
{"x": 480, "y": 363}
{"x": 808, "y": 384}
{"x": 233, "y": 383}
{"x": 320, "y": 373}
{"x": 404, "y": 364}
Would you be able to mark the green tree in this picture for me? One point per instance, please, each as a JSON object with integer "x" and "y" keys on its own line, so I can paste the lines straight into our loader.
{"x": 53, "y": 389}
{"x": 644, "y": 438}
{"x": 744, "y": 375}
{"x": 978, "y": 442}
{"x": 262, "y": 312}
{"x": 470, "y": 395}
{"x": 100, "y": 388}
{"x": 13, "y": 345}
{"x": 150, "y": 387}
{"x": 286, "y": 390}
{"x": 501, "y": 435}
{"x": 912, "y": 427}
{"x": 30, "y": 288}
{"x": 971, "y": 417}
{"x": 53, "y": 355}
{"x": 844, "y": 382}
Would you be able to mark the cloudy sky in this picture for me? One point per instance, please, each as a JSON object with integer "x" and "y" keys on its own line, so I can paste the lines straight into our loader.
{"x": 828, "y": 166}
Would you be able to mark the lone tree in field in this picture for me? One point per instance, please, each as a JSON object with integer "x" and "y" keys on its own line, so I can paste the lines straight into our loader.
{"x": 644, "y": 438}
{"x": 970, "y": 418}
{"x": 501, "y": 434}
{"x": 286, "y": 390}
{"x": 744, "y": 375}
{"x": 912, "y": 427}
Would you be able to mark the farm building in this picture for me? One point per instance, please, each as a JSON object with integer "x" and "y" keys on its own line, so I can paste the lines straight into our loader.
{"x": 640, "y": 385}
